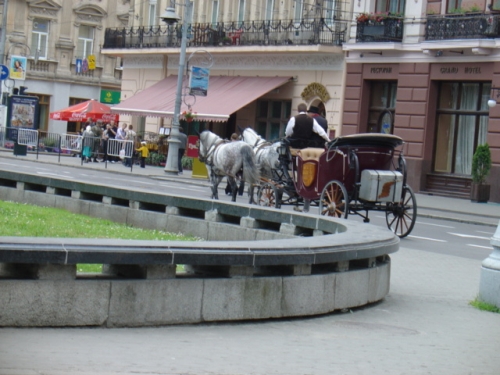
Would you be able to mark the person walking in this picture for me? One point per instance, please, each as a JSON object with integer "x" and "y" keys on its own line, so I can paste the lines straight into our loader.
{"x": 143, "y": 153}
{"x": 300, "y": 129}
{"x": 182, "y": 148}
{"x": 129, "y": 147}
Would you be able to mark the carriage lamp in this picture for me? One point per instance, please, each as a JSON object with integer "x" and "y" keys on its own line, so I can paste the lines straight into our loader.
{"x": 282, "y": 149}
{"x": 493, "y": 102}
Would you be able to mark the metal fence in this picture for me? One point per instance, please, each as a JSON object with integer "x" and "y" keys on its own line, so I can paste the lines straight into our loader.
{"x": 275, "y": 32}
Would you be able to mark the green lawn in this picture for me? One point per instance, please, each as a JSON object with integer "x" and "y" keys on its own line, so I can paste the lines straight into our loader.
{"x": 23, "y": 220}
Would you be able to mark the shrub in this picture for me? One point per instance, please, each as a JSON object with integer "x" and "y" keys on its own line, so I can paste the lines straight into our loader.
{"x": 481, "y": 164}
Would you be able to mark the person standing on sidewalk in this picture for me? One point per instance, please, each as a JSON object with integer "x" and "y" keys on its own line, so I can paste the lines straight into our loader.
{"x": 143, "y": 153}
{"x": 182, "y": 148}
{"x": 130, "y": 147}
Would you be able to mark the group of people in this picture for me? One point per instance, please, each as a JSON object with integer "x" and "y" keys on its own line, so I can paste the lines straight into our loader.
{"x": 96, "y": 136}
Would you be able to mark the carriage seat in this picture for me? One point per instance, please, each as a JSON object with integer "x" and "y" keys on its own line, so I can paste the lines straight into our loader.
{"x": 310, "y": 153}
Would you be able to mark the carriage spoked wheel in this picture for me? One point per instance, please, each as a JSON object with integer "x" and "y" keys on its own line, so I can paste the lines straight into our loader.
{"x": 401, "y": 216}
{"x": 268, "y": 196}
{"x": 334, "y": 200}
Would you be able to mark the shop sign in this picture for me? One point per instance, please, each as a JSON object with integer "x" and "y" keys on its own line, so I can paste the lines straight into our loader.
{"x": 110, "y": 97}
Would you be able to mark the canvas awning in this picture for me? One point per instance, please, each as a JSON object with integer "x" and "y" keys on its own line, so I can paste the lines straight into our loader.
{"x": 225, "y": 96}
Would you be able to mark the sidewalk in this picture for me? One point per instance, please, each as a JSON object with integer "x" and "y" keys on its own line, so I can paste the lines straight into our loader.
{"x": 438, "y": 207}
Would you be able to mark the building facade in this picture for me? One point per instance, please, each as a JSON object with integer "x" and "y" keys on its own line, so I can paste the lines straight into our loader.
{"x": 261, "y": 38}
{"x": 426, "y": 71}
{"x": 53, "y": 37}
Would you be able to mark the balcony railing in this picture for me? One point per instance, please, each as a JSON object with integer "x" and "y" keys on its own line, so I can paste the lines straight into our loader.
{"x": 259, "y": 33}
{"x": 463, "y": 26}
{"x": 388, "y": 30}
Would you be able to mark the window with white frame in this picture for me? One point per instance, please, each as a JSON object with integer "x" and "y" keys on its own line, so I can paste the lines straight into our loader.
{"x": 299, "y": 5}
{"x": 215, "y": 12}
{"x": 40, "y": 37}
{"x": 269, "y": 10}
{"x": 329, "y": 13}
{"x": 152, "y": 13}
{"x": 85, "y": 45}
{"x": 241, "y": 11}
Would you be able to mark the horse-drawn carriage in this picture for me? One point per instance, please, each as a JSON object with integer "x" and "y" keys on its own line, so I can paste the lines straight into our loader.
{"x": 354, "y": 174}
{"x": 351, "y": 175}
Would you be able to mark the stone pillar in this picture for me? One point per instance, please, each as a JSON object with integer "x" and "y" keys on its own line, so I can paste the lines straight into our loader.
{"x": 489, "y": 284}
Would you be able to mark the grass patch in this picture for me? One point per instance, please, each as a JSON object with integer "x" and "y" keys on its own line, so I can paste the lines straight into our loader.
{"x": 478, "y": 304}
{"x": 23, "y": 220}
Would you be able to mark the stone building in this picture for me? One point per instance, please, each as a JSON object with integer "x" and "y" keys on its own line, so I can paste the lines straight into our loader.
{"x": 55, "y": 36}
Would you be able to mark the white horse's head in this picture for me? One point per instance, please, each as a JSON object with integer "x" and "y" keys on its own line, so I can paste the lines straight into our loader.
{"x": 207, "y": 139}
{"x": 250, "y": 136}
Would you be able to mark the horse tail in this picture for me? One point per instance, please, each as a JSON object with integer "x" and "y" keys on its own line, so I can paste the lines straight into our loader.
{"x": 250, "y": 167}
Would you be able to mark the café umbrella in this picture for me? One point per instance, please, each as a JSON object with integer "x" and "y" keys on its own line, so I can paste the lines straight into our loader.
{"x": 91, "y": 110}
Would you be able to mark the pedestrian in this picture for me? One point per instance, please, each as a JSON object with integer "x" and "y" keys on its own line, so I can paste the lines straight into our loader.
{"x": 300, "y": 129}
{"x": 241, "y": 188}
{"x": 88, "y": 143}
{"x": 107, "y": 134}
{"x": 130, "y": 145}
{"x": 182, "y": 148}
{"x": 143, "y": 153}
{"x": 97, "y": 134}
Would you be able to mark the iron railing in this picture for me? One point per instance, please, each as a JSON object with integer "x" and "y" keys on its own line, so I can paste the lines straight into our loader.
{"x": 388, "y": 30}
{"x": 473, "y": 26}
{"x": 261, "y": 33}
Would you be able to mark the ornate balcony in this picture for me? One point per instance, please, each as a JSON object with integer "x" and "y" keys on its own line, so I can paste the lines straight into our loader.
{"x": 462, "y": 26}
{"x": 387, "y": 30}
{"x": 260, "y": 33}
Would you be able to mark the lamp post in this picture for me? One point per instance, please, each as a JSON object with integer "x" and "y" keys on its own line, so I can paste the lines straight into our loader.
{"x": 169, "y": 17}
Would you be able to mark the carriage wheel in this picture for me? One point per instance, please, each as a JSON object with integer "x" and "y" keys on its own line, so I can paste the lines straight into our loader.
{"x": 268, "y": 196}
{"x": 401, "y": 216}
{"x": 334, "y": 200}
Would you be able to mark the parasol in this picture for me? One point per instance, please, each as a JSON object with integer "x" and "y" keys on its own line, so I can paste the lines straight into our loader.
{"x": 89, "y": 110}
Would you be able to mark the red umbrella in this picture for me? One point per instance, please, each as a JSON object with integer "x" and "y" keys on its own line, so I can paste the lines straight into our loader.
{"x": 91, "y": 109}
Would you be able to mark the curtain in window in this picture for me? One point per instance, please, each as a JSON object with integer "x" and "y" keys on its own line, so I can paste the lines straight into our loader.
{"x": 466, "y": 129}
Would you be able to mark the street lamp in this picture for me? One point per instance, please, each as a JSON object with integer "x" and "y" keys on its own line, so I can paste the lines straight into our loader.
{"x": 170, "y": 17}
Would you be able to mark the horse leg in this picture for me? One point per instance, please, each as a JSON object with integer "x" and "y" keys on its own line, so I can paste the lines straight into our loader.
{"x": 214, "y": 181}
{"x": 234, "y": 188}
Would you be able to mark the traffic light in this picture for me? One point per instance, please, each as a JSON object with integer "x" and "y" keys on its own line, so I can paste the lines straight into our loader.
{"x": 22, "y": 90}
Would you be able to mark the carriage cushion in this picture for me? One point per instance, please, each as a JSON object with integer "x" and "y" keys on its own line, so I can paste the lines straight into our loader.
{"x": 310, "y": 153}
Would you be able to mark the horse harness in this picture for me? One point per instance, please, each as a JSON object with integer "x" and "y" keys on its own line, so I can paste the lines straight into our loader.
{"x": 209, "y": 159}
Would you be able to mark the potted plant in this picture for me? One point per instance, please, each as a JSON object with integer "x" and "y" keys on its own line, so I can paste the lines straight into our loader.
{"x": 481, "y": 165}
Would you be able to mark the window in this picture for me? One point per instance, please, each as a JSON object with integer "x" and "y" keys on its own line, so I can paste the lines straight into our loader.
{"x": 393, "y": 6}
{"x": 85, "y": 44}
{"x": 299, "y": 4}
{"x": 215, "y": 13}
{"x": 39, "y": 38}
{"x": 241, "y": 11}
{"x": 152, "y": 13}
{"x": 382, "y": 107}
{"x": 462, "y": 125}
{"x": 452, "y": 5}
{"x": 272, "y": 117}
{"x": 329, "y": 12}
{"x": 269, "y": 10}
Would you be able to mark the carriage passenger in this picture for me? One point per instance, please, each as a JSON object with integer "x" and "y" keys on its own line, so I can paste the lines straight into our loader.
{"x": 301, "y": 129}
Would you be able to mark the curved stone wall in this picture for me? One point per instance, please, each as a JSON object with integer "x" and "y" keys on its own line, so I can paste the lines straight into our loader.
{"x": 254, "y": 262}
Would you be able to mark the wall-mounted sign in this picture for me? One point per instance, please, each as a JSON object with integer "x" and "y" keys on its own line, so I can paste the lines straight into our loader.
{"x": 110, "y": 97}
{"x": 198, "y": 81}
{"x": 18, "y": 67}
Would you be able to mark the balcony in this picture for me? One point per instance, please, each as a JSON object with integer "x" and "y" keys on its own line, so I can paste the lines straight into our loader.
{"x": 463, "y": 26}
{"x": 387, "y": 30}
{"x": 254, "y": 33}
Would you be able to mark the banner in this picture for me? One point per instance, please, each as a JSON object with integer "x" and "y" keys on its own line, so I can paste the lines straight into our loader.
{"x": 18, "y": 67}
{"x": 198, "y": 81}
{"x": 22, "y": 112}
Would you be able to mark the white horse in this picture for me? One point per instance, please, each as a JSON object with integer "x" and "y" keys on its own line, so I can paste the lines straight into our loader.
{"x": 224, "y": 158}
{"x": 266, "y": 154}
